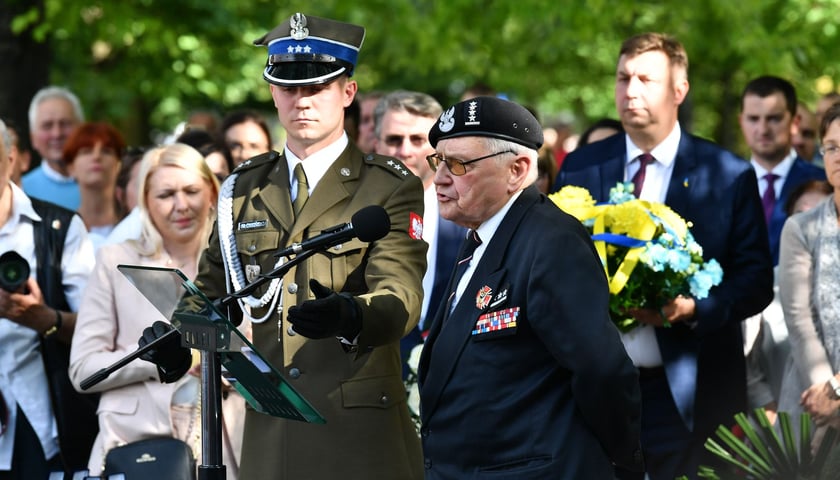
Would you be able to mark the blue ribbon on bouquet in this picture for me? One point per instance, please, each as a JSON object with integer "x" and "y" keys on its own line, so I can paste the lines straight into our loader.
{"x": 620, "y": 240}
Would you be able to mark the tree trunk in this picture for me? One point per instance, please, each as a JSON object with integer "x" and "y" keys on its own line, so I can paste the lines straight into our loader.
{"x": 25, "y": 67}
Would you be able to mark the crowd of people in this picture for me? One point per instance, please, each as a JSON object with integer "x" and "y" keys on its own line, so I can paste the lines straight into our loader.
{"x": 522, "y": 372}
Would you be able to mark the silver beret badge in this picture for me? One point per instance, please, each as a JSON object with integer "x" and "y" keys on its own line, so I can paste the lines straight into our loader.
{"x": 298, "y": 24}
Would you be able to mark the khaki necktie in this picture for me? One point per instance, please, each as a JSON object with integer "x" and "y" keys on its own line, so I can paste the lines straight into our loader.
{"x": 302, "y": 189}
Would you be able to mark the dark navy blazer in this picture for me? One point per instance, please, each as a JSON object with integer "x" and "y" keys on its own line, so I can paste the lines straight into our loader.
{"x": 800, "y": 172}
{"x": 556, "y": 396}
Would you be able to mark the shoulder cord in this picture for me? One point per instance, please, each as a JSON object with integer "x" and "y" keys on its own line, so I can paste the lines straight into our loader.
{"x": 235, "y": 278}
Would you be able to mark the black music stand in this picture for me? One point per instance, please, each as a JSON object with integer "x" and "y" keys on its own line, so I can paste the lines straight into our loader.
{"x": 204, "y": 328}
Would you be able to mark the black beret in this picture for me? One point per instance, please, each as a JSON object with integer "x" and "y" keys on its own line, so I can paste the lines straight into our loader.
{"x": 488, "y": 117}
{"x": 308, "y": 50}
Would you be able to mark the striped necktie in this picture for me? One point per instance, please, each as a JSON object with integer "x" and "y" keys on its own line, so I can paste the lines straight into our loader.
{"x": 467, "y": 250}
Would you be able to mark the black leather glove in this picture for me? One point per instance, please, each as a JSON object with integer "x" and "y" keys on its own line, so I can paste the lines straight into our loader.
{"x": 329, "y": 315}
{"x": 172, "y": 360}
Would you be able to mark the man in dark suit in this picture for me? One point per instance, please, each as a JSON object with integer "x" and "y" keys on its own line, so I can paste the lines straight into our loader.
{"x": 523, "y": 375}
{"x": 768, "y": 121}
{"x": 402, "y": 121}
{"x": 692, "y": 374}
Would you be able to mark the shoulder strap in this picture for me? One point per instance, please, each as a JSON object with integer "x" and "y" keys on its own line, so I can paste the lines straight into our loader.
{"x": 50, "y": 234}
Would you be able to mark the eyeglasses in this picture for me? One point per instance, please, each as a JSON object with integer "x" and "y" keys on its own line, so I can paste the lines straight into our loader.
{"x": 457, "y": 167}
{"x": 830, "y": 151}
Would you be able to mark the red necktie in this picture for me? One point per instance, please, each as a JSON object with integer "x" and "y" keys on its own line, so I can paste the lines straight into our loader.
{"x": 645, "y": 159}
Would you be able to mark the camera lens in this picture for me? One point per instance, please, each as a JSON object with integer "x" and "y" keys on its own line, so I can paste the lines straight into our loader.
{"x": 14, "y": 270}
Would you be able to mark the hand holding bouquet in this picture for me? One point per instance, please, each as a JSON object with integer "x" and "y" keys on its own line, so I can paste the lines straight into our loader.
{"x": 647, "y": 250}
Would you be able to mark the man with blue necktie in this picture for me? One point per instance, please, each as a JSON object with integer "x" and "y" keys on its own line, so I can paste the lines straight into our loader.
{"x": 692, "y": 373}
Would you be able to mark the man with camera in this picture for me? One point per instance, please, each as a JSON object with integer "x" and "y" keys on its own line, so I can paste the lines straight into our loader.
{"x": 37, "y": 316}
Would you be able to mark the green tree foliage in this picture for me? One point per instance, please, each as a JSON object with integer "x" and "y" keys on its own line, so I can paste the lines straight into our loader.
{"x": 145, "y": 63}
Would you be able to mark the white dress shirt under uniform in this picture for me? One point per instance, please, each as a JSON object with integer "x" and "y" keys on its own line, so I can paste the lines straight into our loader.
{"x": 641, "y": 341}
{"x": 22, "y": 377}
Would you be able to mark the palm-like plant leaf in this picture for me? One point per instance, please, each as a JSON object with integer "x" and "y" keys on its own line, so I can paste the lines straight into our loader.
{"x": 763, "y": 455}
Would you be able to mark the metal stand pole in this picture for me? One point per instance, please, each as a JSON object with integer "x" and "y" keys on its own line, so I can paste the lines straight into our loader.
{"x": 212, "y": 467}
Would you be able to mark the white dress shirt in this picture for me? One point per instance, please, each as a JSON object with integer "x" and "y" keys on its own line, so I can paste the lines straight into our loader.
{"x": 640, "y": 342}
{"x": 22, "y": 377}
{"x": 315, "y": 165}
{"x": 782, "y": 170}
{"x": 485, "y": 232}
{"x": 430, "y": 230}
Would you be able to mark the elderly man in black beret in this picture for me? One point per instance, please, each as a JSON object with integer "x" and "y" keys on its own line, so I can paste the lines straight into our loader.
{"x": 523, "y": 375}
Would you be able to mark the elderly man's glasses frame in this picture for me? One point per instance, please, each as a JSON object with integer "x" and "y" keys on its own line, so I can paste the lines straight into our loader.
{"x": 457, "y": 167}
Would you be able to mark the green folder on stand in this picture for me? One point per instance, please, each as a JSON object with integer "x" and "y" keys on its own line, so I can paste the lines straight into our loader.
{"x": 204, "y": 327}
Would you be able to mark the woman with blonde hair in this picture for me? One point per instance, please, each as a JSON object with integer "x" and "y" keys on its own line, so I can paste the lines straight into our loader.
{"x": 177, "y": 194}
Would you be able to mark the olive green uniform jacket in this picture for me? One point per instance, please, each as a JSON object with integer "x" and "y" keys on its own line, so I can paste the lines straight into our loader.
{"x": 368, "y": 432}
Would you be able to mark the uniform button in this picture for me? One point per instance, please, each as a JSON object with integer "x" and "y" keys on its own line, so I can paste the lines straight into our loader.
{"x": 252, "y": 248}
{"x": 293, "y": 288}
{"x": 427, "y": 462}
{"x": 384, "y": 399}
{"x": 294, "y": 372}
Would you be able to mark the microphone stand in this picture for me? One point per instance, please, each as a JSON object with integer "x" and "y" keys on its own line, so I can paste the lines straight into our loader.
{"x": 212, "y": 466}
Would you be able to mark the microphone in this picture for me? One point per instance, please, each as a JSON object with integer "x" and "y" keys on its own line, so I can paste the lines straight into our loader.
{"x": 368, "y": 224}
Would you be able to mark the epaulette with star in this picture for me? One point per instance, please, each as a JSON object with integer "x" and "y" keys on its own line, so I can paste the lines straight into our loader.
{"x": 253, "y": 162}
{"x": 389, "y": 163}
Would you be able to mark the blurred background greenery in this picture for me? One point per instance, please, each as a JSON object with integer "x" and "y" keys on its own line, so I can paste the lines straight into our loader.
{"x": 144, "y": 65}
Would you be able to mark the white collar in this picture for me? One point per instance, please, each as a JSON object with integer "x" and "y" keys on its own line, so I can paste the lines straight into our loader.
{"x": 488, "y": 228}
{"x": 317, "y": 164}
{"x": 782, "y": 169}
{"x": 664, "y": 153}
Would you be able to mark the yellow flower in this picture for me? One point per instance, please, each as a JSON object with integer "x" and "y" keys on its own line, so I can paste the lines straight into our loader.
{"x": 576, "y": 201}
{"x": 671, "y": 218}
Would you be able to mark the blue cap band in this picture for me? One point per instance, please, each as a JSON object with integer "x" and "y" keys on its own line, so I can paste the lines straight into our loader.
{"x": 313, "y": 45}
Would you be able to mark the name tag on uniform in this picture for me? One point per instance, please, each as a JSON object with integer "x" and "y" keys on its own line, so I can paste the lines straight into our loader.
{"x": 252, "y": 225}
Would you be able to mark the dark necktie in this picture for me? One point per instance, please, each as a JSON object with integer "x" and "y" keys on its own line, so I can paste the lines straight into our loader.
{"x": 645, "y": 159}
{"x": 467, "y": 249}
{"x": 302, "y": 189}
{"x": 768, "y": 200}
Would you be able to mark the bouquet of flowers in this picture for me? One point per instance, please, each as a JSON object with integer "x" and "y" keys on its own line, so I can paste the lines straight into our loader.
{"x": 646, "y": 248}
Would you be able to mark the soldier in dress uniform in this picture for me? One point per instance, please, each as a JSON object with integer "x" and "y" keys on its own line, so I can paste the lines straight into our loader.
{"x": 332, "y": 325}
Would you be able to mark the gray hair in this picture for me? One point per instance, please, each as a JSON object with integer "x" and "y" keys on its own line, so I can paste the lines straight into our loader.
{"x": 500, "y": 145}
{"x": 415, "y": 103}
{"x": 47, "y": 93}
